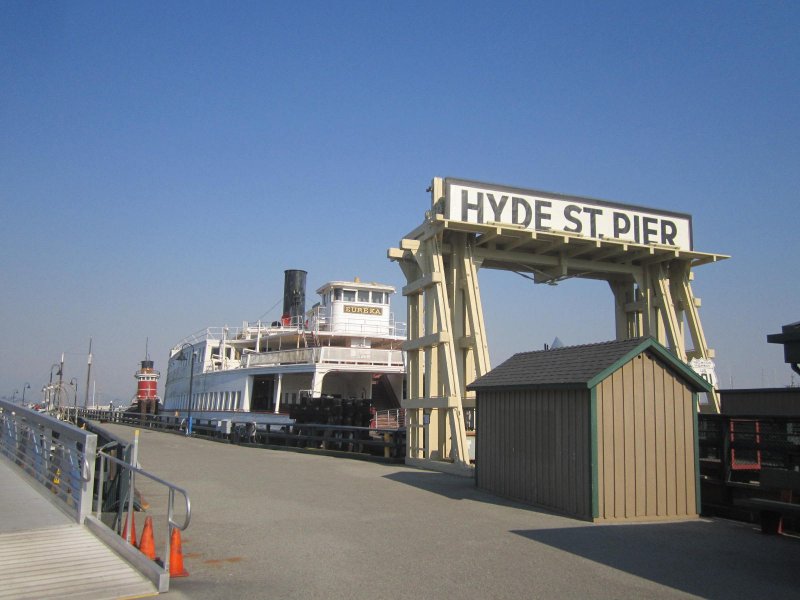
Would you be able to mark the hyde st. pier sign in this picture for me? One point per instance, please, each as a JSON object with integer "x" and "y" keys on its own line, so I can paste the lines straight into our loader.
{"x": 490, "y": 204}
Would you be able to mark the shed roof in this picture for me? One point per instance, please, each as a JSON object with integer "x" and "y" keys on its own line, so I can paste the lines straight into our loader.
{"x": 579, "y": 366}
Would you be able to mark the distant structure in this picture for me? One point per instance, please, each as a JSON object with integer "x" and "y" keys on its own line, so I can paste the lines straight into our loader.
{"x": 790, "y": 338}
{"x": 147, "y": 388}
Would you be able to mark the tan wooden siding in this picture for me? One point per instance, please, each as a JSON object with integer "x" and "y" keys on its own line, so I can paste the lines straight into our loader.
{"x": 645, "y": 443}
{"x": 534, "y": 446}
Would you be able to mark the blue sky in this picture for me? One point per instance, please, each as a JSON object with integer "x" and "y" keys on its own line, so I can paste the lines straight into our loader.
{"x": 161, "y": 164}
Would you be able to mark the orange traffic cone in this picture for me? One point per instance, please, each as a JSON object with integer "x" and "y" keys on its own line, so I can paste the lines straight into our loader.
{"x": 147, "y": 545}
{"x": 176, "y": 555}
{"x": 133, "y": 529}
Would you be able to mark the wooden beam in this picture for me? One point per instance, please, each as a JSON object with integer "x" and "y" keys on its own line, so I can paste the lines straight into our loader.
{"x": 421, "y": 284}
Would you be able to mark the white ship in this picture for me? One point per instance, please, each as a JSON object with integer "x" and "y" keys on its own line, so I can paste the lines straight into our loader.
{"x": 348, "y": 345}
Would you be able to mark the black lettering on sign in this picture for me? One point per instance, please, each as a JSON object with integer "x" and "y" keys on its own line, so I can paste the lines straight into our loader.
{"x": 592, "y": 212}
{"x": 466, "y": 205}
{"x": 497, "y": 207}
{"x": 649, "y": 229}
{"x": 542, "y": 216}
{"x": 622, "y": 224}
{"x": 517, "y": 204}
{"x": 668, "y": 232}
{"x": 363, "y": 310}
{"x": 569, "y": 214}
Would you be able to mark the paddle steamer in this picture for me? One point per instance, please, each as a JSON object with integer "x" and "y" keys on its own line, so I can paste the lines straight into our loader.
{"x": 346, "y": 346}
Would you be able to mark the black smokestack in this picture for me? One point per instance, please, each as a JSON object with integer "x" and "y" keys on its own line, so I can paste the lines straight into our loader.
{"x": 294, "y": 293}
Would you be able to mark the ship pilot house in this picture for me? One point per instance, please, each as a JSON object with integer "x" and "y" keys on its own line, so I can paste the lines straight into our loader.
{"x": 602, "y": 432}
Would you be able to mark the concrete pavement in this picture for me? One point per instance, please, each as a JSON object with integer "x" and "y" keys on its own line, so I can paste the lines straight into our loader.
{"x": 278, "y": 524}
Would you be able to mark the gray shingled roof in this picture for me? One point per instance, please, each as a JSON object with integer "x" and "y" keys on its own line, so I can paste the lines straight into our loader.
{"x": 568, "y": 366}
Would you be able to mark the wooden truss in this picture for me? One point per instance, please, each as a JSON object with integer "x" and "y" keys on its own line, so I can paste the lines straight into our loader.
{"x": 447, "y": 347}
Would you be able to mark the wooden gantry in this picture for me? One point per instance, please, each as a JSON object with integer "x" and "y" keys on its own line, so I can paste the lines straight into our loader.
{"x": 447, "y": 347}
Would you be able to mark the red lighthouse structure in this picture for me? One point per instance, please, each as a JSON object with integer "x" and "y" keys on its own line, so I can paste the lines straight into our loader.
{"x": 147, "y": 388}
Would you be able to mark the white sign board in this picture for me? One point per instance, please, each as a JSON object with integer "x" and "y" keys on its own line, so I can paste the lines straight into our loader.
{"x": 485, "y": 203}
{"x": 705, "y": 368}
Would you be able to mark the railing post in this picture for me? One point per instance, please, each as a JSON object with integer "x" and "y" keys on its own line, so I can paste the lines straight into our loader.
{"x": 131, "y": 492}
{"x": 87, "y": 478}
{"x": 100, "y": 487}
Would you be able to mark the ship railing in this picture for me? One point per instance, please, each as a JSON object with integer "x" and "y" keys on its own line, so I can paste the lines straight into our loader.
{"x": 362, "y": 356}
{"x": 364, "y": 328}
{"x": 325, "y": 355}
{"x": 318, "y": 324}
{"x": 55, "y": 454}
{"x": 210, "y": 334}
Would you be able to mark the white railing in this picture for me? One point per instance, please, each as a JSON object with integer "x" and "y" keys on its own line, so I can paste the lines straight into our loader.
{"x": 281, "y": 357}
{"x": 319, "y": 323}
{"x": 323, "y": 355}
{"x": 362, "y": 356}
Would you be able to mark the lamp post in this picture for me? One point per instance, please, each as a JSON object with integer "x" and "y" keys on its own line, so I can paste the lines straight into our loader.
{"x": 182, "y": 357}
{"x": 49, "y": 399}
{"x": 74, "y": 383}
{"x": 27, "y": 386}
{"x": 14, "y": 396}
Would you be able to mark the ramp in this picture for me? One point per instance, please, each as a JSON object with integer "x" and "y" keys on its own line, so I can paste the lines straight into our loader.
{"x": 65, "y": 562}
{"x": 45, "y": 554}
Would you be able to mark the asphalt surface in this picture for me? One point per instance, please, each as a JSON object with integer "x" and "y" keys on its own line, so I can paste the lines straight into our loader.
{"x": 278, "y": 524}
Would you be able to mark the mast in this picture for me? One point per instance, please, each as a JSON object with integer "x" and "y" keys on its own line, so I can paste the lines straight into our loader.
{"x": 60, "y": 380}
{"x": 88, "y": 375}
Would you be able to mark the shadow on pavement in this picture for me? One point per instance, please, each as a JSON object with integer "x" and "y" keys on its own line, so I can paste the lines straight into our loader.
{"x": 458, "y": 488}
{"x": 708, "y": 558}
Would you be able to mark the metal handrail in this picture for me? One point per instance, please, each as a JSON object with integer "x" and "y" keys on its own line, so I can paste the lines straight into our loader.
{"x": 171, "y": 523}
{"x": 173, "y": 488}
{"x": 57, "y": 455}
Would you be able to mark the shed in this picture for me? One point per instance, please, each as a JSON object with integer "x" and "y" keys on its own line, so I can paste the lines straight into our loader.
{"x": 602, "y": 432}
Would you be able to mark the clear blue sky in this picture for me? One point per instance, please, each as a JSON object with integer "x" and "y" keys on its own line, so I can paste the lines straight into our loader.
{"x": 161, "y": 164}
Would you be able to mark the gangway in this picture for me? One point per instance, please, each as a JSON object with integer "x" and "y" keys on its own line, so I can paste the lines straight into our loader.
{"x": 51, "y": 545}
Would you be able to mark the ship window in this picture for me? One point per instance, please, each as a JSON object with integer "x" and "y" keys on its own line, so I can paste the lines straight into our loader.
{"x": 349, "y": 295}
{"x": 363, "y": 295}
{"x": 378, "y": 297}
{"x": 337, "y": 294}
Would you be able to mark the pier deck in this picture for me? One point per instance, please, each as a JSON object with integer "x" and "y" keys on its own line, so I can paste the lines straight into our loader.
{"x": 280, "y": 524}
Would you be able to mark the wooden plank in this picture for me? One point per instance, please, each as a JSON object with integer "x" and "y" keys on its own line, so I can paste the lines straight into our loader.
{"x": 541, "y": 462}
{"x": 619, "y": 444}
{"x": 690, "y": 460}
{"x": 660, "y": 441}
{"x": 640, "y": 396}
{"x": 629, "y": 441}
{"x": 608, "y": 450}
{"x": 680, "y": 401}
{"x": 669, "y": 446}
{"x": 651, "y": 504}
